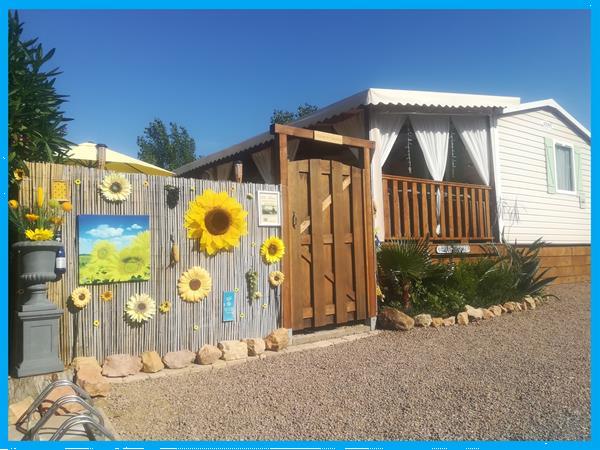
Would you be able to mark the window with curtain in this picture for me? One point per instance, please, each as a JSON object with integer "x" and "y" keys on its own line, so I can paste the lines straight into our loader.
{"x": 565, "y": 176}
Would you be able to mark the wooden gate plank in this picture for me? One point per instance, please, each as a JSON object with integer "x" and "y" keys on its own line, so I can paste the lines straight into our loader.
{"x": 339, "y": 264}
{"x": 316, "y": 231}
{"x": 358, "y": 244}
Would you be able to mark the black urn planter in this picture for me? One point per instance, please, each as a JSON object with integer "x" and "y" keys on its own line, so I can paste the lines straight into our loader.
{"x": 37, "y": 319}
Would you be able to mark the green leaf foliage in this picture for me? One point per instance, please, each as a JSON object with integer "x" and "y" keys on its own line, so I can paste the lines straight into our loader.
{"x": 282, "y": 116}
{"x": 167, "y": 148}
{"x": 36, "y": 124}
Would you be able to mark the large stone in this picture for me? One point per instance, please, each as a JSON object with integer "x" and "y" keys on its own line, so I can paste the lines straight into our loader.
{"x": 394, "y": 319}
{"x": 121, "y": 365}
{"x": 16, "y": 410}
{"x": 474, "y": 314}
{"x": 233, "y": 350}
{"x": 81, "y": 361}
{"x": 278, "y": 340}
{"x": 151, "y": 362}
{"x": 256, "y": 346}
{"x": 487, "y": 314}
{"x": 462, "y": 318}
{"x": 422, "y": 320}
{"x": 55, "y": 394}
{"x": 449, "y": 321}
{"x": 179, "y": 359}
{"x": 208, "y": 354}
{"x": 91, "y": 380}
{"x": 524, "y": 306}
{"x": 437, "y": 322}
{"x": 495, "y": 310}
{"x": 510, "y": 307}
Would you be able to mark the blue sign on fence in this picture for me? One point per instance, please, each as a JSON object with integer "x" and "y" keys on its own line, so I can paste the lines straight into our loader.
{"x": 228, "y": 306}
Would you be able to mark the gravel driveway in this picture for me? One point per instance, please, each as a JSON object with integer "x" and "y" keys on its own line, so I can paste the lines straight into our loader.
{"x": 521, "y": 376}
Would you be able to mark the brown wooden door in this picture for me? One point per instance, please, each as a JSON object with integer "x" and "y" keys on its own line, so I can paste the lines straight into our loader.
{"x": 327, "y": 243}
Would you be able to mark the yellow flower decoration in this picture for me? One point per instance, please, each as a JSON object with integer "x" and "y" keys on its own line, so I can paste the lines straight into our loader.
{"x": 96, "y": 323}
{"x": 19, "y": 174}
{"x": 194, "y": 284}
{"x": 193, "y": 188}
{"x": 67, "y": 206}
{"x": 140, "y": 308}
{"x": 106, "y": 296}
{"x": 13, "y": 204}
{"x": 115, "y": 188}
{"x": 40, "y": 197}
{"x": 145, "y": 183}
{"x": 276, "y": 278}
{"x": 242, "y": 315}
{"x": 32, "y": 217}
{"x": 39, "y": 234}
{"x": 264, "y": 306}
{"x": 196, "y": 327}
{"x": 257, "y": 295}
{"x": 216, "y": 220}
{"x": 272, "y": 250}
{"x": 80, "y": 297}
{"x": 77, "y": 181}
{"x": 56, "y": 220}
{"x": 165, "y": 307}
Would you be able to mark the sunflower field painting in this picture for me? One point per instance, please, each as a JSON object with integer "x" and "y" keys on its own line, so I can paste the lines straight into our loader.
{"x": 113, "y": 249}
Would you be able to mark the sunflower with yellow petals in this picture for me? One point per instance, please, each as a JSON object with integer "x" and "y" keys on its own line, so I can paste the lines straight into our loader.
{"x": 194, "y": 284}
{"x": 39, "y": 234}
{"x": 106, "y": 296}
{"x": 276, "y": 278}
{"x": 272, "y": 250}
{"x": 216, "y": 220}
{"x": 80, "y": 297}
{"x": 165, "y": 307}
{"x": 115, "y": 188}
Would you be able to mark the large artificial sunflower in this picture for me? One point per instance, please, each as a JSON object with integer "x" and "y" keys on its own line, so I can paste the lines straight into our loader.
{"x": 216, "y": 220}
{"x": 80, "y": 297}
{"x": 39, "y": 234}
{"x": 115, "y": 188}
{"x": 140, "y": 308}
{"x": 272, "y": 249}
{"x": 194, "y": 284}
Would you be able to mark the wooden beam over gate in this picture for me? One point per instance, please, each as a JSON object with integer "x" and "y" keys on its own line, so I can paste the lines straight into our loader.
{"x": 282, "y": 132}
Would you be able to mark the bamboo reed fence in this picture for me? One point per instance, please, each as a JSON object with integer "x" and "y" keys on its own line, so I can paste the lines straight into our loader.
{"x": 187, "y": 325}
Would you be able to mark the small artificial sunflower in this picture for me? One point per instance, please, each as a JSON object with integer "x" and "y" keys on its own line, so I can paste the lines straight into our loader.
{"x": 32, "y": 217}
{"x": 165, "y": 307}
{"x": 216, "y": 220}
{"x": 13, "y": 204}
{"x": 115, "y": 188}
{"x": 96, "y": 323}
{"x": 19, "y": 174}
{"x": 194, "y": 284}
{"x": 276, "y": 278}
{"x": 196, "y": 327}
{"x": 242, "y": 315}
{"x": 145, "y": 183}
{"x": 106, "y": 296}
{"x": 77, "y": 181}
{"x": 272, "y": 250}
{"x": 265, "y": 306}
{"x": 39, "y": 234}
{"x": 67, "y": 206}
{"x": 140, "y": 308}
{"x": 80, "y": 297}
{"x": 257, "y": 295}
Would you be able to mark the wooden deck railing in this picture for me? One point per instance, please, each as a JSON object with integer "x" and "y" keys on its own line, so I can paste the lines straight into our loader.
{"x": 410, "y": 210}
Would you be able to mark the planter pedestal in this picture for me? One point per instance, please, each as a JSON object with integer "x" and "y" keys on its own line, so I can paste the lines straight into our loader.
{"x": 37, "y": 319}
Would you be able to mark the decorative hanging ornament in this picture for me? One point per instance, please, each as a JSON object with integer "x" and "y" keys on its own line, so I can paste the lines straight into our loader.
{"x": 408, "y": 155}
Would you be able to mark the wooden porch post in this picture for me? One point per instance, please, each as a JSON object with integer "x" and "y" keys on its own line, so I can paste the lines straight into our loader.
{"x": 369, "y": 235}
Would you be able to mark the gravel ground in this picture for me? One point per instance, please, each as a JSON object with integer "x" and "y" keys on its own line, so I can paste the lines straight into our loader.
{"x": 524, "y": 376}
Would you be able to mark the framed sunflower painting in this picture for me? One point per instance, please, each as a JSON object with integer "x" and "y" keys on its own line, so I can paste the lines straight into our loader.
{"x": 113, "y": 249}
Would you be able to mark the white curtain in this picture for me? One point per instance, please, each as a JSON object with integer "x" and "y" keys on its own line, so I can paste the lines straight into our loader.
{"x": 292, "y": 145}
{"x": 384, "y": 131}
{"x": 264, "y": 164}
{"x": 433, "y": 132}
{"x": 224, "y": 171}
{"x": 354, "y": 126}
{"x": 473, "y": 131}
{"x": 564, "y": 168}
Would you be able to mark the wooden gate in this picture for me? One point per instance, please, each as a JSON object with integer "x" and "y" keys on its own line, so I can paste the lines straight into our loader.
{"x": 327, "y": 243}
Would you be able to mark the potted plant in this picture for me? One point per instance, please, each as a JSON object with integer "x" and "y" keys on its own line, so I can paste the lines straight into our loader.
{"x": 37, "y": 225}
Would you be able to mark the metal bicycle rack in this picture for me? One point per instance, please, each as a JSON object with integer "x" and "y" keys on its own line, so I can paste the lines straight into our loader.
{"x": 91, "y": 420}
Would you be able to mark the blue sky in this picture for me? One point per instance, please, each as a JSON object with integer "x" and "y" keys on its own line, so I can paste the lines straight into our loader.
{"x": 120, "y": 230}
{"x": 221, "y": 73}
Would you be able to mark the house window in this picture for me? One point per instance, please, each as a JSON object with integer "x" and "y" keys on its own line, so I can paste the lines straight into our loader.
{"x": 565, "y": 168}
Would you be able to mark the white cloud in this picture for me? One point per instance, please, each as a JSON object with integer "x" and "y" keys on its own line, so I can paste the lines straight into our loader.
{"x": 105, "y": 231}
{"x": 135, "y": 226}
{"x": 86, "y": 244}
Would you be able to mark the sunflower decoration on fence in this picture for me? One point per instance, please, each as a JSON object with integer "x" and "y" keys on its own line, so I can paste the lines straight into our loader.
{"x": 276, "y": 278}
{"x": 115, "y": 188}
{"x": 216, "y": 220}
{"x": 140, "y": 308}
{"x": 80, "y": 297}
{"x": 194, "y": 284}
{"x": 272, "y": 250}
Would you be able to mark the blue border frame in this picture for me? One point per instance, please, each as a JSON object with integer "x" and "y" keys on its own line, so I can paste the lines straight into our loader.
{"x": 286, "y": 4}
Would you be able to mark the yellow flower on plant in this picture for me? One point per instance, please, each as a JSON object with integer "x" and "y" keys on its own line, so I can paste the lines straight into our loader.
{"x": 272, "y": 249}
{"x": 194, "y": 284}
{"x": 115, "y": 187}
{"x": 165, "y": 307}
{"x": 40, "y": 197}
{"x": 39, "y": 234}
{"x": 140, "y": 308}
{"x": 56, "y": 220}
{"x": 53, "y": 203}
{"x": 32, "y": 217}
{"x": 67, "y": 206}
{"x": 216, "y": 220}
{"x": 96, "y": 323}
{"x": 276, "y": 278}
{"x": 13, "y": 204}
{"x": 19, "y": 174}
{"x": 80, "y": 297}
{"x": 106, "y": 296}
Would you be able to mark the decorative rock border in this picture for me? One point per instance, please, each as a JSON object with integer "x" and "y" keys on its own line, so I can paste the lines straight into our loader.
{"x": 393, "y": 319}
